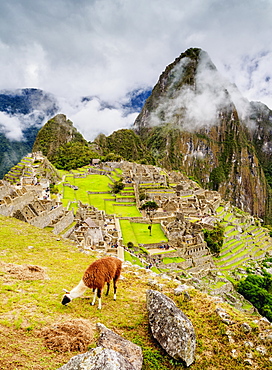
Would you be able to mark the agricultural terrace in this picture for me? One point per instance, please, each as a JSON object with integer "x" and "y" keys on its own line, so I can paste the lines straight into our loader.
{"x": 95, "y": 183}
{"x": 239, "y": 246}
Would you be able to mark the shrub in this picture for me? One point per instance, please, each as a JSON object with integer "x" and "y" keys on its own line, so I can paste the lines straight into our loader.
{"x": 257, "y": 290}
{"x": 214, "y": 239}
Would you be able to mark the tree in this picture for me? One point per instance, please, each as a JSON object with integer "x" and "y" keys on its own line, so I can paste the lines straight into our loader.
{"x": 118, "y": 186}
{"x": 217, "y": 176}
{"x": 214, "y": 239}
{"x": 150, "y": 208}
{"x": 112, "y": 157}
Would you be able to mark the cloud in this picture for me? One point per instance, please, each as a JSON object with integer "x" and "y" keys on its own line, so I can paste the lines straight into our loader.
{"x": 92, "y": 117}
{"x": 198, "y": 106}
{"x": 108, "y": 48}
{"x": 11, "y": 126}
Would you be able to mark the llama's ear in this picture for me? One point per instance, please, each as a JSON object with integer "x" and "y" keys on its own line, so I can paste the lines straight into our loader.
{"x": 66, "y": 291}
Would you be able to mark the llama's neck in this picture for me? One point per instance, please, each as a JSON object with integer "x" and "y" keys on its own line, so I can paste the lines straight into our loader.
{"x": 78, "y": 290}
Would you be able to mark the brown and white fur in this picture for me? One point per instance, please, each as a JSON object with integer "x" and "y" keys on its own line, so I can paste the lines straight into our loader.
{"x": 97, "y": 274}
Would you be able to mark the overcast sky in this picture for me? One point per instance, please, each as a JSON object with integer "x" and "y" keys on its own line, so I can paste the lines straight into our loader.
{"x": 106, "y": 48}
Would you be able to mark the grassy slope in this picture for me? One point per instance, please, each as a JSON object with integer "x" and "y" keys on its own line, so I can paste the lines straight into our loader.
{"x": 28, "y": 306}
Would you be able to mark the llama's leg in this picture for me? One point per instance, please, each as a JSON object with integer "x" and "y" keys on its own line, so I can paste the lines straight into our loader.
{"x": 114, "y": 289}
{"x": 94, "y": 298}
{"x": 108, "y": 288}
{"x": 99, "y": 291}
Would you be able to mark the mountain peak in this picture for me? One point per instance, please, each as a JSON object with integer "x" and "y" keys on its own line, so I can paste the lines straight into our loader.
{"x": 189, "y": 94}
{"x": 196, "y": 121}
{"x": 57, "y": 132}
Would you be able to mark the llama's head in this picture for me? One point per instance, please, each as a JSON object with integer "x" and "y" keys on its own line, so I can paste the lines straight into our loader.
{"x": 66, "y": 298}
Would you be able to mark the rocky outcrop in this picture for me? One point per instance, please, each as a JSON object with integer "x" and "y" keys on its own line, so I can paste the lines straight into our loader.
{"x": 109, "y": 339}
{"x": 113, "y": 353}
{"x": 172, "y": 329}
{"x": 98, "y": 358}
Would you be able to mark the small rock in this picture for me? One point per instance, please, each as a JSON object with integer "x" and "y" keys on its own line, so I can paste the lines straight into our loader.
{"x": 262, "y": 350}
{"x": 224, "y": 316}
{"x": 249, "y": 355}
{"x": 180, "y": 289}
{"x": 248, "y": 362}
{"x": 266, "y": 336}
{"x": 187, "y": 296}
{"x": 246, "y": 328}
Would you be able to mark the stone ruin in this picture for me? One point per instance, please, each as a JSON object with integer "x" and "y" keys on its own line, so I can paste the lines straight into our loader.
{"x": 184, "y": 210}
{"x": 96, "y": 231}
{"x": 29, "y": 200}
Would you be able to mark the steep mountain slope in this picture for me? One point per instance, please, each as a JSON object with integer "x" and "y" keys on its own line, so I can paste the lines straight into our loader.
{"x": 196, "y": 121}
{"x": 56, "y": 132}
{"x": 126, "y": 143}
{"x": 26, "y": 109}
{"x": 62, "y": 144}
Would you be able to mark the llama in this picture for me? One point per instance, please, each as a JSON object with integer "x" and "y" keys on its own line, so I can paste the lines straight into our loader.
{"x": 97, "y": 274}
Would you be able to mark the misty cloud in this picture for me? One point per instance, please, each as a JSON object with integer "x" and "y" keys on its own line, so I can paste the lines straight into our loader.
{"x": 92, "y": 117}
{"x": 11, "y": 127}
{"x": 197, "y": 106}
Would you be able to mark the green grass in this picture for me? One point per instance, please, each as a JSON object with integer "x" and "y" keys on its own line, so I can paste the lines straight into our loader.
{"x": 126, "y": 211}
{"x": 98, "y": 200}
{"x": 142, "y": 232}
{"x": 28, "y": 306}
{"x": 74, "y": 207}
{"x": 167, "y": 260}
{"x": 128, "y": 232}
{"x": 117, "y": 174}
{"x": 133, "y": 259}
{"x": 93, "y": 183}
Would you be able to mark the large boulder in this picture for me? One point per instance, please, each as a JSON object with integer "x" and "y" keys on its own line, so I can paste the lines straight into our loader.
{"x": 113, "y": 353}
{"x": 171, "y": 327}
{"x": 98, "y": 358}
{"x": 109, "y": 339}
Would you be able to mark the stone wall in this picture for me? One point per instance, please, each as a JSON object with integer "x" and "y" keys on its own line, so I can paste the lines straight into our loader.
{"x": 4, "y": 189}
{"x": 125, "y": 200}
{"x": 46, "y": 218}
{"x": 64, "y": 222}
